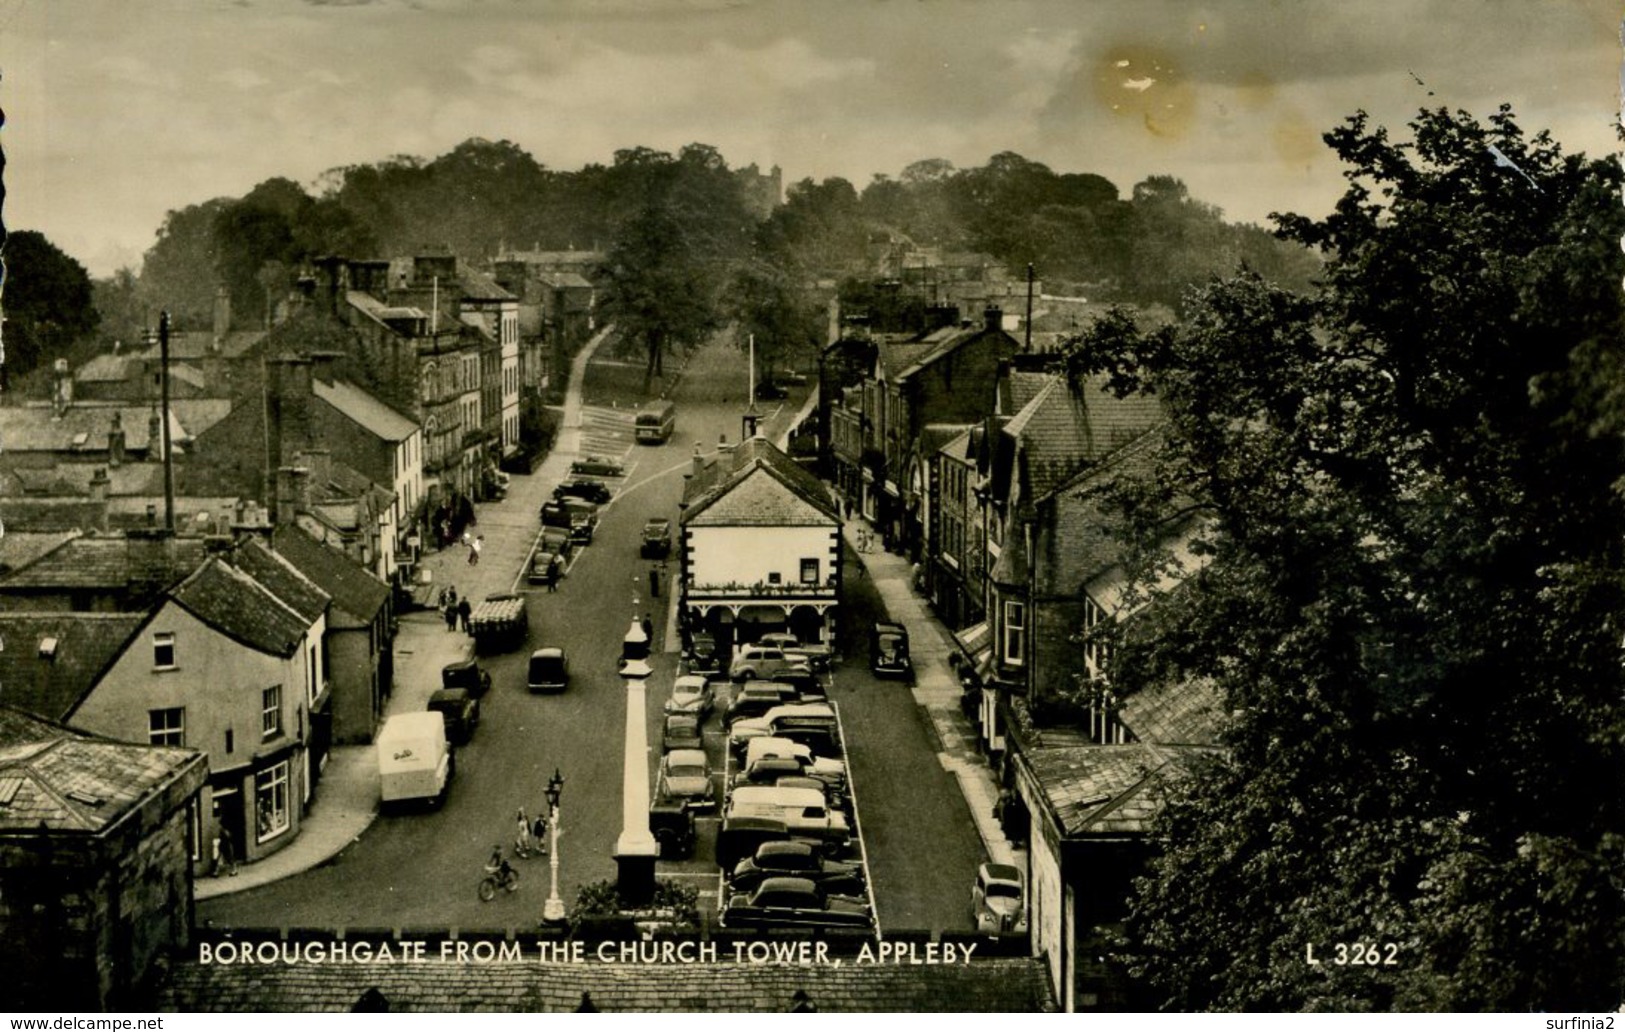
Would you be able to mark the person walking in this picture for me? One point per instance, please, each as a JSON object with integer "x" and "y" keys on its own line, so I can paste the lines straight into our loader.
{"x": 649, "y": 630}
{"x": 463, "y": 611}
{"x": 521, "y": 841}
{"x": 450, "y": 610}
{"x": 474, "y": 550}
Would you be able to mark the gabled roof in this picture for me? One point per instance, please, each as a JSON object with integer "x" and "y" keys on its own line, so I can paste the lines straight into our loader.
{"x": 1061, "y": 429}
{"x": 480, "y": 286}
{"x": 58, "y": 780}
{"x": 194, "y": 344}
{"x": 48, "y": 661}
{"x": 45, "y": 515}
{"x": 365, "y": 410}
{"x": 1023, "y": 385}
{"x": 238, "y": 606}
{"x": 958, "y": 446}
{"x": 934, "y": 436}
{"x": 894, "y": 357}
{"x": 565, "y": 280}
{"x": 354, "y": 590}
{"x": 19, "y": 548}
{"x": 772, "y": 489}
{"x": 82, "y": 427}
{"x": 1107, "y": 790}
{"x": 282, "y": 578}
{"x": 946, "y": 341}
{"x": 106, "y": 369}
{"x": 997, "y": 985}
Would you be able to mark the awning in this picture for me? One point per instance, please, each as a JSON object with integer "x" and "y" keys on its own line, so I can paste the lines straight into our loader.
{"x": 976, "y": 643}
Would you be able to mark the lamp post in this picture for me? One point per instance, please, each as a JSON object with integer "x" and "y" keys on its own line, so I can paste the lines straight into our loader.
{"x": 553, "y": 909}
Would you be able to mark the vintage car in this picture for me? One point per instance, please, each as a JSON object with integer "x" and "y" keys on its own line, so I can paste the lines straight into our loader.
{"x": 769, "y": 760}
{"x": 682, "y": 731}
{"x": 756, "y": 698}
{"x": 691, "y": 693}
{"x": 764, "y": 662}
{"x": 818, "y": 658}
{"x": 685, "y": 776}
{"x": 556, "y": 540}
{"x": 888, "y": 651}
{"x": 545, "y": 568}
{"x": 549, "y": 671}
{"x": 672, "y": 824}
{"x": 461, "y": 710}
{"x": 554, "y": 514}
{"x": 702, "y": 655}
{"x": 997, "y": 901}
{"x": 466, "y": 674}
{"x": 792, "y": 859}
{"x": 793, "y": 903}
{"x": 656, "y": 538}
{"x": 597, "y": 466}
{"x": 589, "y": 490}
{"x": 812, "y": 724}
{"x": 583, "y": 519}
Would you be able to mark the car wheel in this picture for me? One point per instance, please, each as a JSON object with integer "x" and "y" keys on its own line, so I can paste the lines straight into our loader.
{"x": 745, "y": 674}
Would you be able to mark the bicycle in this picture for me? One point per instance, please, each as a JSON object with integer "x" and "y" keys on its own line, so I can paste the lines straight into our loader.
{"x": 501, "y": 875}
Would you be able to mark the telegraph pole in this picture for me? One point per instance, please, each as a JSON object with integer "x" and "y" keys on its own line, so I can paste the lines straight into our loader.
{"x": 169, "y": 461}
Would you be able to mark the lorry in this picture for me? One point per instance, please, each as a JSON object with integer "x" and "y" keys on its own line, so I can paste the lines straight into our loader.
{"x": 415, "y": 759}
{"x": 499, "y": 623}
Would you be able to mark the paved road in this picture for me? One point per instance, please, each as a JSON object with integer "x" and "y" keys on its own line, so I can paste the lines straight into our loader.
{"x": 420, "y": 869}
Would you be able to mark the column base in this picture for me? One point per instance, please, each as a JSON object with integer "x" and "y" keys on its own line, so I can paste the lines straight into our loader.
{"x": 635, "y": 878}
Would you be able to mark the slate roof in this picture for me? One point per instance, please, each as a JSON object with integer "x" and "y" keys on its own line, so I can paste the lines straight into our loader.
{"x": 72, "y": 479}
{"x": 944, "y": 342}
{"x": 935, "y": 436}
{"x": 353, "y": 589}
{"x": 282, "y": 579}
{"x": 45, "y": 515}
{"x": 756, "y": 484}
{"x": 1023, "y": 385}
{"x": 565, "y": 280}
{"x": 192, "y": 344}
{"x": 896, "y": 356}
{"x": 109, "y": 561}
{"x": 1106, "y": 790}
{"x": 84, "y": 645}
{"x": 21, "y": 548}
{"x": 480, "y": 286}
{"x": 1062, "y": 429}
{"x": 61, "y": 780}
{"x": 365, "y": 410}
{"x": 1005, "y": 985}
{"x": 1182, "y": 712}
{"x": 82, "y": 428}
{"x": 238, "y": 606}
{"x": 106, "y": 369}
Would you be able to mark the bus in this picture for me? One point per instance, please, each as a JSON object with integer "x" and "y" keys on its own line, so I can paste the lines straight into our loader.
{"x": 656, "y": 421}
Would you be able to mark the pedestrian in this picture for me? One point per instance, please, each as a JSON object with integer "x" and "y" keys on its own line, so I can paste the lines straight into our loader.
{"x": 649, "y": 629}
{"x": 553, "y": 574}
{"x": 539, "y": 832}
{"x": 463, "y": 611}
{"x": 654, "y": 582}
{"x": 228, "y": 855}
{"x": 451, "y": 615}
{"x": 474, "y": 550}
{"x": 521, "y": 842}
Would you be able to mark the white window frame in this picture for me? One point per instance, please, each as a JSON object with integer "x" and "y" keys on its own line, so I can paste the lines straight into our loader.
{"x": 809, "y": 570}
{"x": 162, "y": 640}
{"x": 271, "y": 801}
{"x": 271, "y": 712}
{"x": 1013, "y": 626}
{"x": 166, "y": 733}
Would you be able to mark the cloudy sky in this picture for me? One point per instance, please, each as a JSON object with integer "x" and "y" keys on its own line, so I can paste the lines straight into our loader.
{"x": 117, "y": 111}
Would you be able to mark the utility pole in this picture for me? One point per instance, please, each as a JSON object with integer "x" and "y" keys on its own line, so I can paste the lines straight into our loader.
{"x": 1027, "y": 346}
{"x": 163, "y": 382}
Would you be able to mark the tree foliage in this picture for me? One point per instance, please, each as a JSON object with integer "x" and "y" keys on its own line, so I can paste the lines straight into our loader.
{"x": 1416, "y": 599}
{"x": 47, "y": 302}
{"x": 778, "y": 312}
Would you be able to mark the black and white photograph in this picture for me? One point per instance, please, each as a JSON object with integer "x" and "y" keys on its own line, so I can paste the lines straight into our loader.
{"x": 744, "y": 506}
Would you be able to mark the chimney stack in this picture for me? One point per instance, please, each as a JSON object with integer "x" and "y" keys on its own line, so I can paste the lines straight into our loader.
{"x": 99, "y": 482}
{"x": 155, "y": 437}
{"x": 994, "y": 317}
{"x": 292, "y": 493}
{"x": 115, "y": 440}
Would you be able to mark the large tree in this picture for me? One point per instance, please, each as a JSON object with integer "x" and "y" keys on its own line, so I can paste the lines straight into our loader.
{"x": 656, "y": 290}
{"x": 47, "y": 302}
{"x": 1415, "y": 600}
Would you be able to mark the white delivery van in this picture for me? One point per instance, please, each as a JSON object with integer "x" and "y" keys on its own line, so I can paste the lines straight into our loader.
{"x": 414, "y": 757}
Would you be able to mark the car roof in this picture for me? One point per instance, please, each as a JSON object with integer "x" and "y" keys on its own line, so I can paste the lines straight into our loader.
{"x": 800, "y": 709}
{"x": 783, "y": 846}
{"x": 785, "y": 883}
{"x": 775, "y": 746}
{"x": 449, "y": 695}
{"x": 692, "y": 682}
{"x": 1002, "y": 872}
{"x": 679, "y": 719}
{"x": 686, "y": 756}
{"x": 548, "y": 652}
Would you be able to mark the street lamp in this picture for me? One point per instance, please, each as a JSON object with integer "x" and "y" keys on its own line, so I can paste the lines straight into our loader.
{"x": 553, "y": 909}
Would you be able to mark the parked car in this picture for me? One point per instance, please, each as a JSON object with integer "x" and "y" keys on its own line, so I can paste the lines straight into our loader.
{"x": 682, "y": 731}
{"x": 554, "y": 514}
{"x": 888, "y": 651}
{"x": 545, "y": 568}
{"x": 767, "y": 390}
{"x": 686, "y": 776}
{"x": 556, "y": 539}
{"x": 792, "y": 859}
{"x": 461, "y": 710}
{"x": 762, "y": 661}
{"x": 702, "y": 655}
{"x": 812, "y": 724}
{"x": 770, "y": 758}
{"x": 466, "y": 674}
{"x": 590, "y": 490}
{"x": 549, "y": 671}
{"x": 656, "y": 538}
{"x": 792, "y": 903}
{"x": 691, "y": 693}
{"x": 598, "y": 466}
{"x": 583, "y": 519}
{"x": 672, "y": 824}
{"x": 998, "y": 903}
{"x": 756, "y": 699}
{"x": 816, "y": 657}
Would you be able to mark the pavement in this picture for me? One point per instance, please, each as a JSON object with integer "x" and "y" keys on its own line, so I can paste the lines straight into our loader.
{"x": 346, "y": 796}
